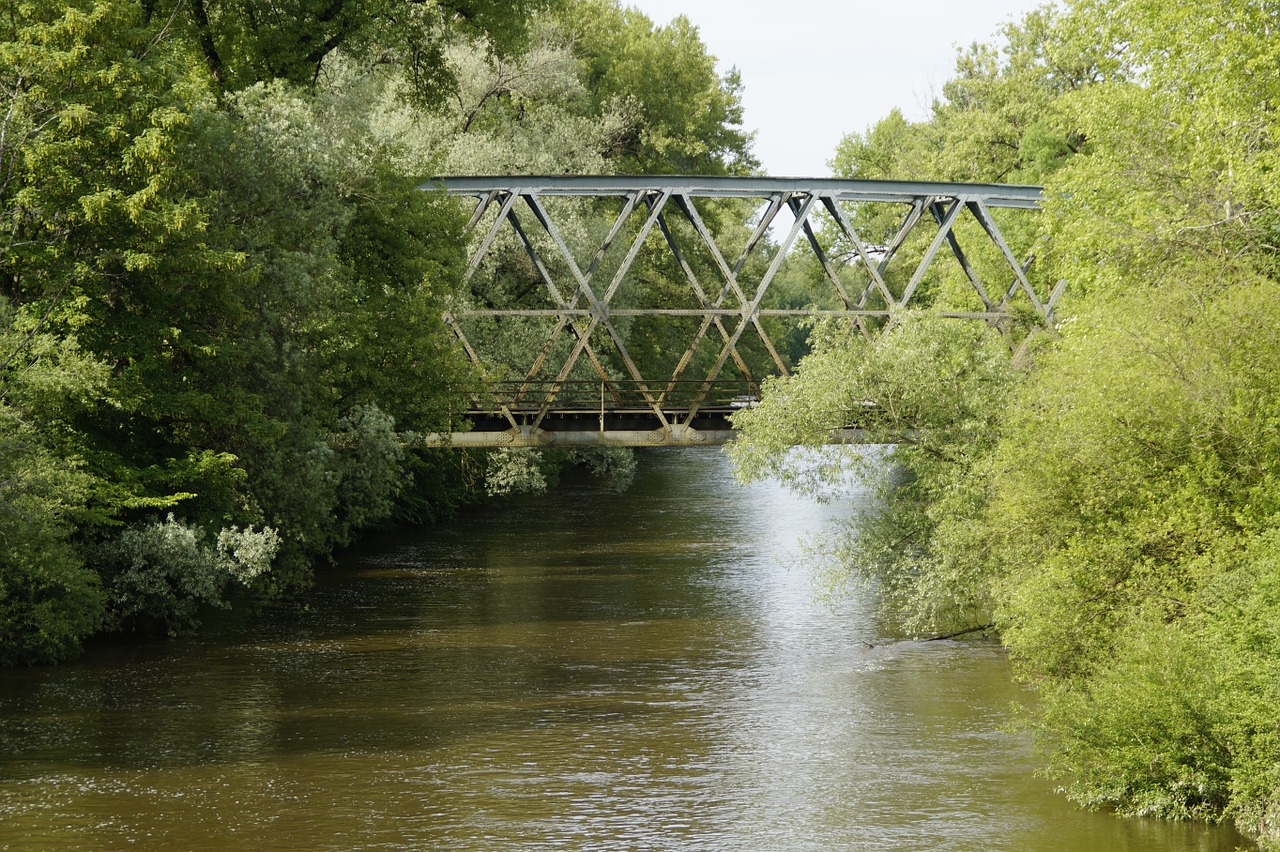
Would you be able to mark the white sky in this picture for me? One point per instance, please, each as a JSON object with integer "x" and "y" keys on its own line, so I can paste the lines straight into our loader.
{"x": 814, "y": 70}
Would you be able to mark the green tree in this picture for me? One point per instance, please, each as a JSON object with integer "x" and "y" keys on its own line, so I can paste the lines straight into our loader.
{"x": 1121, "y": 525}
{"x": 221, "y": 287}
{"x": 49, "y": 599}
{"x": 244, "y": 42}
{"x": 229, "y": 265}
{"x": 162, "y": 573}
{"x": 1116, "y": 517}
{"x": 689, "y": 116}
{"x": 1156, "y": 419}
{"x": 935, "y": 390}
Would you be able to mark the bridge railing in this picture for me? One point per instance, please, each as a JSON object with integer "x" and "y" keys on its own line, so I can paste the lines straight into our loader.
{"x": 612, "y": 396}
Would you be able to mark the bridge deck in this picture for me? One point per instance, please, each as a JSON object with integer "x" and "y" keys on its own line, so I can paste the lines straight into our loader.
{"x": 593, "y": 427}
{"x": 616, "y": 427}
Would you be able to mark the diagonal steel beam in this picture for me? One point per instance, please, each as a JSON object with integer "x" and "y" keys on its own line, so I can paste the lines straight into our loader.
{"x": 637, "y": 243}
{"x": 873, "y": 269}
{"x": 656, "y": 206}
{"x": 823, "y": 261}
{"x": 482, "y": 206}
{"x": 762, "y": 227}
{"x": 944, "y": 229}
{"x": 1013, "y": 287}
{"x": 627, "y": 208}
{"x": 508, "y": 201}
{"x": 828, "y": 268}
{"x": 1053, "y": 300}
{"x": 970, "y": 272}
{"x": 557, "y": 296}
{"x": 988, "y": 223}
{"x": 731, "y": 275}
{"x": 475, "y": 361}
{"x": 909, "y": 223}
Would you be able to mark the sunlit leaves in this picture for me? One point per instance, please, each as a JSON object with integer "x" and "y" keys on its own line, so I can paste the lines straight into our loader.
{"x": 935, "y": 388}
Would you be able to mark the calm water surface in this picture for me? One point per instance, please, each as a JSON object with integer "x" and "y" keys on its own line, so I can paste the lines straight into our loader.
{"x": 645, "y": 671}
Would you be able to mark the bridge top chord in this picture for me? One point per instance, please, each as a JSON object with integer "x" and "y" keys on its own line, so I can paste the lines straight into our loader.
{"x": 721, "y": 186}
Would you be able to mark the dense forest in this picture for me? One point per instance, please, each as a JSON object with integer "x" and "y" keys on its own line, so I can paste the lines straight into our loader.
{"x": 1108, "y": 499}
{"x": 221, "y": 288}
{"x": 220, "y": 332}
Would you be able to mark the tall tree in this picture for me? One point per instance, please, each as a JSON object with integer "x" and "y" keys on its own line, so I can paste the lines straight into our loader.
{"x": 689, "y": 116}
{"x": 248, "y": 41}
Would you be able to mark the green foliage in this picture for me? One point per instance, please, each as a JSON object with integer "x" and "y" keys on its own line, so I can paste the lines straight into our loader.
{"x": 243, "y": 42}
{"x": 525, "y": 471}
{"x": 1163, "y": 441}
{"x": 200, "y": 297}
{"x": 370, "y": 470}
{"x": 1139, "y": 540}
{"x": 689, "y": 118}
{"x": 49, "y": 600}
{"x": 1183, "y": 722}
{"x": 221, "y": 288}
{"x": 1133, "y": 211}
{"x": 615, "y": 465}
{"x": 1145, "y": 736}
{"x": 937, "y": 390}
{"x": 1120, "y": 539}
{"x": 511, "y": 471}
{"x": 163, "y": 573}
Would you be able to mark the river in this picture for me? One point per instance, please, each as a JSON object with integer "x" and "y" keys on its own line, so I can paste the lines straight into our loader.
{"x": 582, "y": 670}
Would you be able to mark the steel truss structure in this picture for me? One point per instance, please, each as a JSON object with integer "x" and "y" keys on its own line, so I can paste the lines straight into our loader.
{"x": 634, "y": 409}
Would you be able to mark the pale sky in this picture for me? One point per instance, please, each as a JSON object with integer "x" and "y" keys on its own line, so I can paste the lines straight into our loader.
{"x": 814, "y": 70}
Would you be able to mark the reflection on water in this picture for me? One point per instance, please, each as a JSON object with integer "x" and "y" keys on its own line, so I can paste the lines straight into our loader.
{"x": 578, "y": 671}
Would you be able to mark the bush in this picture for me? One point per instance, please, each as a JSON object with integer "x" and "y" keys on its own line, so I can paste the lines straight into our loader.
{"x": 162, "y": 573}
{"x": 1184, "y": 719}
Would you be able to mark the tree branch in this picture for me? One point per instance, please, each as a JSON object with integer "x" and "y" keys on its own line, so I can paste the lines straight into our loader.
{"x": 981, "y": 628}
{"x": 211, "y": 57}
{"x": 26, "y": 341}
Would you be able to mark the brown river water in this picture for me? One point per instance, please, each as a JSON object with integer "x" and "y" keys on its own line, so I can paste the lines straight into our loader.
{"x": 650, "y": 670}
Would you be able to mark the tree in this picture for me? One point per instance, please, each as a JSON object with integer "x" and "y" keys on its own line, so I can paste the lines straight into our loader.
{"x": 221, "y": 287}
{"x": 689, "y": 117}
{"x": 935, "y": 390}
{"x": 1147, "y": 512}
{"x": 251, "y": 41}
{"x": 49, "y": 599}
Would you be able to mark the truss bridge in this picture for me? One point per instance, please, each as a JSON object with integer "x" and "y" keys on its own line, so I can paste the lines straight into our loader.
{"x": 645, "y": 311}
